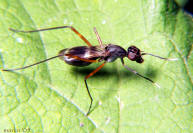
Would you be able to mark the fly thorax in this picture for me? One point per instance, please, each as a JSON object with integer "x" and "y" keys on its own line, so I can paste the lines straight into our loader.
{"x": 111, "y": 58}
{"x": 114, "y": 52}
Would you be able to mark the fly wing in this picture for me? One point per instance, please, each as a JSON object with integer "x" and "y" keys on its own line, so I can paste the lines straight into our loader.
{"x": 93, "y": 52}
{"x": 84, "y": 52}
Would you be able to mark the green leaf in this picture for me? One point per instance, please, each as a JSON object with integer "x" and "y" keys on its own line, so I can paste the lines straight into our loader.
{"x": 181, "y": 3}
{"x": 52, "y": 97}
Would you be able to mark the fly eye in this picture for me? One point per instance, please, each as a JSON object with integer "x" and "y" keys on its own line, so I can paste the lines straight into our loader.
{"x": 134, "y": 50}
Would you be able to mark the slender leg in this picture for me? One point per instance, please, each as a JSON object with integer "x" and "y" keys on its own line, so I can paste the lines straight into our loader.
{"x": 69, "y": 55}
{"x": 53, "y": 28}
{"x": 82, "y": 59}
{"x": 73, "y": 56}
{"x": 133, "y": 71}
{"x": 32, "y": 64}
{"x": 98, "y": 38}
{"x": 89, "y": 75}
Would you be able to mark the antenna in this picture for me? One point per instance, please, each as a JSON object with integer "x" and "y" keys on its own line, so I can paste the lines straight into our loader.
{"x": 168, "y": 59}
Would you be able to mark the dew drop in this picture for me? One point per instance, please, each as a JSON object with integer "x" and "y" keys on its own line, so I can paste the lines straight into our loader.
{"x": 65, "y": 21}
{"x": 81, "y": 124}
{"x": 118, "y": 98}
{"x": 19, "y": 40}
{"x": 104, "y": 22}
{"x": 107, "y": 120}
{"x": 71, "y": 23}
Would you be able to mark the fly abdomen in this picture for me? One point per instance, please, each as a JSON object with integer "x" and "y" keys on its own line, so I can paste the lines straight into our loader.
{"x": 80, "y": 52}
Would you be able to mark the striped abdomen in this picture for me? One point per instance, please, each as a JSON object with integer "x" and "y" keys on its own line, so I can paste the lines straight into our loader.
{"x": 83, "y": 52}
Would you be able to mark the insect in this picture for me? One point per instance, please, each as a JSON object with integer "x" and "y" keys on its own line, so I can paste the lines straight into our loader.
{"x": 85, "y": 55}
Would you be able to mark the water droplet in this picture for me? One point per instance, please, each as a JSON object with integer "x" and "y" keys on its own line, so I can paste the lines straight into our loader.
{"x": 107, "y": 120}
{"x": 65, "y": 21}
{"x": 104, "y": 22}
{"x": 81, "y": 124}
{"x": 118, "y": 98}
{"x": 19, "y": 40}
{"x": 71, "y": 23}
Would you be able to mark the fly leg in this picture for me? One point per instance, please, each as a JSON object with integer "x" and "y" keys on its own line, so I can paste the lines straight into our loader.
{"x": 53, "y": 28}
{"x": 98, "y": 38}
{"x": 89, "y": 75}
{"x": 133, "y": 71}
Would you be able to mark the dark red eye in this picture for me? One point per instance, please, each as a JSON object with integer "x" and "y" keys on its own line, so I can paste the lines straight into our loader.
{"x": 134, "y": 54}
{"x": 133, "y": 49}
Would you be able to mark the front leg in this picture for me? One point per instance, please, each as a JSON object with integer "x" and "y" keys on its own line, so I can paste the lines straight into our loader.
{"x": 133, "y": 71}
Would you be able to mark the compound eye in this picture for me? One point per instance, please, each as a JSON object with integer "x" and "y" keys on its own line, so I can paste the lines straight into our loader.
{"x": 134, "y": 50}
{"x": 134, "y": 54}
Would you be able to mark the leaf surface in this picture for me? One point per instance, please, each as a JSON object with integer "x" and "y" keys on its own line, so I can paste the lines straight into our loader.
{"x": 52, "y": 97}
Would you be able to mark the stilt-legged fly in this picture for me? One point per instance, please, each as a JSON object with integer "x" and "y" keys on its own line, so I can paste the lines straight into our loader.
{"x": 85, "y": 55}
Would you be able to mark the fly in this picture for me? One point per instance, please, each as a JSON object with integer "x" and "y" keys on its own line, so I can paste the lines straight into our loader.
{"x": 85, "y": 55}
